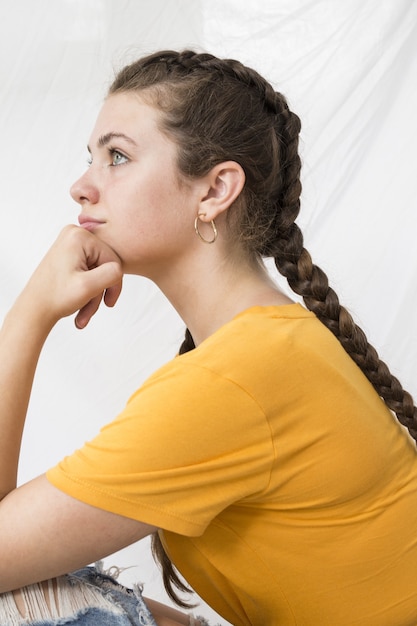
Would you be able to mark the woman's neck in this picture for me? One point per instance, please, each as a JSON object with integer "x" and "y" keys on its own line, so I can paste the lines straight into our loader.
{"x": 211, "y": 295}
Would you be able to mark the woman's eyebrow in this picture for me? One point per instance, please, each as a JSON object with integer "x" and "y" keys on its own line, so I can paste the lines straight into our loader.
{"x": 103, "y": 140}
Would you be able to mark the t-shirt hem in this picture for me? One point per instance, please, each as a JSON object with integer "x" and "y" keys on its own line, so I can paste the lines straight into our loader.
{"x": 105, "y": 500}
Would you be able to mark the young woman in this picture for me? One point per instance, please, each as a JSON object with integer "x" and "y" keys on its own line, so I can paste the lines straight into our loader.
{"x": 265, "y": 459}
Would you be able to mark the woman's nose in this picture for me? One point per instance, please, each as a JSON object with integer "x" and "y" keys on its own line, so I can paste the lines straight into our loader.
{"x": 84, "y": 190}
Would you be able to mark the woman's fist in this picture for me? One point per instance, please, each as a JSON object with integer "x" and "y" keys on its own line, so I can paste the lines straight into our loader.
{"x": 75, "y": 274}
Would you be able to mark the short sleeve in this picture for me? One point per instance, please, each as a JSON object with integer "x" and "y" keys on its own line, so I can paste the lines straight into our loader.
{"x": 189, "y": 443}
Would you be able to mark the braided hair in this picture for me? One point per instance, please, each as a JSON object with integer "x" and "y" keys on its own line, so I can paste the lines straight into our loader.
{"x": 216, "y": 110}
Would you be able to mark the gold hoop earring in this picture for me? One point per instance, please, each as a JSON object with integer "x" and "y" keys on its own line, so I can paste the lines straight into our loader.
{"x": 213, "y": 225}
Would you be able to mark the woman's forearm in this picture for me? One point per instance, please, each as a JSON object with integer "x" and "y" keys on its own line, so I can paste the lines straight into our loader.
{"x": 22, "y": 336}
{"x": 75, "y": 275}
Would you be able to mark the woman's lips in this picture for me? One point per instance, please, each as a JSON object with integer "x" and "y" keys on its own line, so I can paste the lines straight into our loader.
{"x": 89, "y": 223}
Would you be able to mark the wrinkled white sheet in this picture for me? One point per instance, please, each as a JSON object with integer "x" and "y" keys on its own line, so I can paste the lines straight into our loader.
{"x": 348, "y": 68}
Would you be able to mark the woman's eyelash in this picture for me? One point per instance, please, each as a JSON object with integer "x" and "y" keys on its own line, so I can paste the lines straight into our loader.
{"x": 113, "y": 152}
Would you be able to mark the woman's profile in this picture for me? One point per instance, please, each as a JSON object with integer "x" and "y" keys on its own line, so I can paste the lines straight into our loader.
{"x": 269, "y": 459}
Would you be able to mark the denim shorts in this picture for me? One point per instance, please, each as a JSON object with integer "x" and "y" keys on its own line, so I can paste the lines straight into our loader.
{"x": 87, "y": 597}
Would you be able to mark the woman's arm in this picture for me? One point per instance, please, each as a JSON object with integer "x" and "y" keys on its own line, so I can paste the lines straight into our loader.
{"x": 44, "y": 532}
{"x": 21, "y": 340}
{"x": 72, "y": 277}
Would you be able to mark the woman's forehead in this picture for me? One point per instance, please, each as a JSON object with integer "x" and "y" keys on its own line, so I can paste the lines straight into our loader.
{"x": 125, "y": 114}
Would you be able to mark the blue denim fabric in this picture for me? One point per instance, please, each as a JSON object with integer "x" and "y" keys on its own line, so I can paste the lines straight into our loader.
{"x": 131, "y": 607}
{"x": 137, "y": 613}
{"x": 87, "y": 597}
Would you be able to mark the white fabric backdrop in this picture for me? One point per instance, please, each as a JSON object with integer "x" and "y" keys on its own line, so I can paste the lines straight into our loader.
{"x": 350, "y": 71}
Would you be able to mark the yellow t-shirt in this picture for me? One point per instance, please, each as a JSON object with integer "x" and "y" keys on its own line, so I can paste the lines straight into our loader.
{"x": 286, "y": 489}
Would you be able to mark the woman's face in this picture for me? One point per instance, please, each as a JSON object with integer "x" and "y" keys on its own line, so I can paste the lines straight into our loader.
{"x": 130, "y": 196}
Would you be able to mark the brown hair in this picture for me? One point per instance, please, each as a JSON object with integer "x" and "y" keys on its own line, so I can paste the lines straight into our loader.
{"x": 217, "y": 110}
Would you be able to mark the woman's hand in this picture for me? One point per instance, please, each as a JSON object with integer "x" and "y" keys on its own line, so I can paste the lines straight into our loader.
{"x": 74, "y": 275}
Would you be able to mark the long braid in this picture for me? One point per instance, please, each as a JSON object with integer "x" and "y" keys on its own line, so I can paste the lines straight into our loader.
{"x": 307, "y": 280}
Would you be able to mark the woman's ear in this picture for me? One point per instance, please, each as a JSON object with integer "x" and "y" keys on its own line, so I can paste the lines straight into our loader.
{"x": 221, "y": 186}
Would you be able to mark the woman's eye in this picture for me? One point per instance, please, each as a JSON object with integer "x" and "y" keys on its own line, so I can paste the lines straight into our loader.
{"x": 117, "y": 157}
